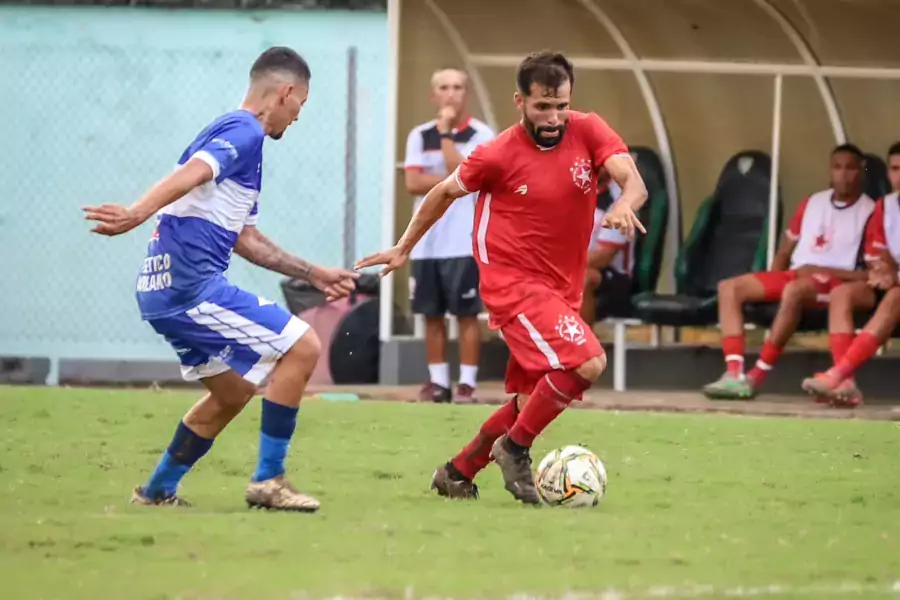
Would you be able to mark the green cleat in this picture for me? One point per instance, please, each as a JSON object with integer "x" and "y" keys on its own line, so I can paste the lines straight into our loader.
{"x": 730, "y": 387}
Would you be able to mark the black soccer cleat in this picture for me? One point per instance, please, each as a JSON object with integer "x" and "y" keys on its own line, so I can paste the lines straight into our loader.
{"x": 515, "y": 463}
{"x": 450, "y": 486}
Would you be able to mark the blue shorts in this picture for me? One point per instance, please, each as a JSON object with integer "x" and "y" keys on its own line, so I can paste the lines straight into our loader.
{"x": 232, "y": 329}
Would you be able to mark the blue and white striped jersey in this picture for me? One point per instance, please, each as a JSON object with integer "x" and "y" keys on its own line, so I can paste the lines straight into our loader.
{"x": 194, "y": 237}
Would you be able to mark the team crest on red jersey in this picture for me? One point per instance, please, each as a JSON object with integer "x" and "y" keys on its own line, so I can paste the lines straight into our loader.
{"x": 582, "y": 174}
{"x": 570, "y": 330}
{"x": 822, "y": 243}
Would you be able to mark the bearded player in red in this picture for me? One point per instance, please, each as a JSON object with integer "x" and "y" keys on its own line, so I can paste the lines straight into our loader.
{"x": 537, "y": 190}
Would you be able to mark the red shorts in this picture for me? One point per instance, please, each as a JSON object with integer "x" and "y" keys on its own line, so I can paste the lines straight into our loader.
{"x": 774, "y": 282}
{"x": 544, "y": 333}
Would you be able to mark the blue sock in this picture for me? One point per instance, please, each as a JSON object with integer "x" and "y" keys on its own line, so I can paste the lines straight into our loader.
{"x": 185, "y": 450}
{"x": 276, "y": 429}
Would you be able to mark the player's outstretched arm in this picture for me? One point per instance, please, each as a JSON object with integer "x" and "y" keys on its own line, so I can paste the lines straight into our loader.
{"x": 115, "y": 219}
{"x": 261, "y": 251}
{"x": 622, "y": 216}
{"x": 434, "y": 205}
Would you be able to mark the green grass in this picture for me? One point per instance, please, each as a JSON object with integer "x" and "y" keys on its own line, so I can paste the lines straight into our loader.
{"x": 692, "y": 500}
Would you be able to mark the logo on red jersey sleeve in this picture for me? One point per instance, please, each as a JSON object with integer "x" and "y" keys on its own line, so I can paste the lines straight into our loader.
{"x": 582, "y": 174}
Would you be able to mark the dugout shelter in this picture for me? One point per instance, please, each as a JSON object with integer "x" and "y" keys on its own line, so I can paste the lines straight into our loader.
{"x": 696, "y": 81}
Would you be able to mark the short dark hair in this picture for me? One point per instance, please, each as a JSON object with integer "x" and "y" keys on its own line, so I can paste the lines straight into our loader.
{"x": 894, "y": 150}
{"x": 280, "y": 59}
{"x": 548, "y": 69}
{"x": 849, "y": 149}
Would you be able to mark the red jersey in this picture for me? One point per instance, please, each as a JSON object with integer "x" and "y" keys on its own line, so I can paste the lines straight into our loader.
{"x": 535, "y": 209}
{"x": 883, "y": 230}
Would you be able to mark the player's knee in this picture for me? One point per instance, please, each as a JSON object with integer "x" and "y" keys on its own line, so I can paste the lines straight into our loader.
{"x": 891, "y": 301}
{"x": 592, "y": 369}
{"x": 435, "y": 325}
{"x": 795, "y": 293}
{"x": 305, "y": 352}
{"x": 237, "y": 396}
{"x": 246, "y": 394}
{"x": 728, "y": 288}
{"x": 841, "y": 297}
{"x": 521, "y": 401}
{"x": 467, "y": 322}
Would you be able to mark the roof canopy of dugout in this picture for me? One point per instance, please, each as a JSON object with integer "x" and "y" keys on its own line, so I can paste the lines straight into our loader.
{"x": 697, "y": 80}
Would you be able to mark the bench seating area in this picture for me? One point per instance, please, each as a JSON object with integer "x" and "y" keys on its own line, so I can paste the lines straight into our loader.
{"x": 728, "y": 237}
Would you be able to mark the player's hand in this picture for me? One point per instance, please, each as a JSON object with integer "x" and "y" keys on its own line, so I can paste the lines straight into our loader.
{"x": 445, "y": 117}
{"x": 392, "y": 260}
{"x": 882, "y": 276}
{"x": 336, "y": 283}
{"x": 114, "y": 219}
{"x": 621, "y": 217}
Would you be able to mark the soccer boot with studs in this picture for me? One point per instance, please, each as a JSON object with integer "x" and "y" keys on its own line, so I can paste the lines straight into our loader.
{"x": 841, "y": 394}
{"x": 730, "y": 387}
{"x": 515, "y": 464}
{"x": 279, "y": 494}
{"x": 139, "y": 496}
{"x": 452, "y": 485}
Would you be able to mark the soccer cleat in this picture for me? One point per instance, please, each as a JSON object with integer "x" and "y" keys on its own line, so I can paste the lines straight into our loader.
{"x": 450, "y": 487}
{"x": 138, "y": 496}
{"x": 516, "y": 468}
{"x": 828, "y": 390}
{"x": 847, "y": 395}
{"x": 432, "y": 392}
{"x": 465, "y": 394}
{"x": 730, "y": 387}
{"x": 279, "y": 494}
{"x": 822, "y": 386}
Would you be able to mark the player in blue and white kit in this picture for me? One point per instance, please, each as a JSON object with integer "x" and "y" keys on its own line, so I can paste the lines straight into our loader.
{"x": 227, "y": 338}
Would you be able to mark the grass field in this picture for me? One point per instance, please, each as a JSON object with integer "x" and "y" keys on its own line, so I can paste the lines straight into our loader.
{"x": 698, "y": 506}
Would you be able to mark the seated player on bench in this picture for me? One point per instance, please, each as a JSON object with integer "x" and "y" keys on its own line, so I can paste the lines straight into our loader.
{"x": 820, "y": 251}
{"x": 837, "y": 385}
{"x": 607, "y": 281}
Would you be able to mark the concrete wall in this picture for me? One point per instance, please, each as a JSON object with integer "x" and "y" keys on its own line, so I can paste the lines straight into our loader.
{"x": 99, "y": 103}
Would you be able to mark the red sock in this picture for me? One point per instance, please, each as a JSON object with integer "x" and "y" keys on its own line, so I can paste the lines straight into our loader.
{"x": 839, "y": 343}
{"x": 476, "y": 455}
{"x": 767, "y": 359}
{"x": 862, "y": 349}
{"x": 733, "y": 349}
{"x": 550, "y": 397}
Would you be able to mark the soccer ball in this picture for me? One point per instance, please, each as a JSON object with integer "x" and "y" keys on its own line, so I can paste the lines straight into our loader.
{"x": 572, "y": 476}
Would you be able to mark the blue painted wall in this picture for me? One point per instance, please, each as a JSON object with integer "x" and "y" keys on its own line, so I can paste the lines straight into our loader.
{"x": 98, "y": 103}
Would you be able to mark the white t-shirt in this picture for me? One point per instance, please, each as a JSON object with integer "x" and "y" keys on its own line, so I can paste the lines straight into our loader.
{"x": 623, "y": 261}
{"x": 451, "y": 236}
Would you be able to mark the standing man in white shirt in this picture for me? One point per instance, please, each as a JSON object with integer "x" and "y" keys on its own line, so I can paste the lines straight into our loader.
{"x": 444, "y": 273}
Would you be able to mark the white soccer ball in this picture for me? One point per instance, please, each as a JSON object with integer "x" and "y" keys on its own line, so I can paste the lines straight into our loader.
{"x": 572, "y": 476}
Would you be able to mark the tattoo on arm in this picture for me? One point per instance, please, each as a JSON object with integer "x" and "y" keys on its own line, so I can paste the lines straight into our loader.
{"x": 261, "y": 251}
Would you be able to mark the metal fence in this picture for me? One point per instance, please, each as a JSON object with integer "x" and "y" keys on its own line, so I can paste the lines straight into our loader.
{"x": 93, "y": 121}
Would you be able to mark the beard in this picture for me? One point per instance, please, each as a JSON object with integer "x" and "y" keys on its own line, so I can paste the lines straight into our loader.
{"x": 276, "y": 135}
{"x": 544, "y": 142}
